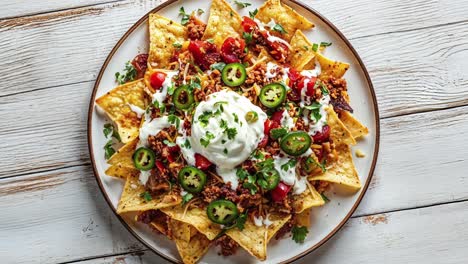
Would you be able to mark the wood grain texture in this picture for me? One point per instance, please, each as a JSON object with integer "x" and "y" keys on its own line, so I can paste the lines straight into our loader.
{"x": 409, "y": 174}
{"x": 17, "y": 8}
{"x": 427, "y": 64}
{"x": 424, "y": 235}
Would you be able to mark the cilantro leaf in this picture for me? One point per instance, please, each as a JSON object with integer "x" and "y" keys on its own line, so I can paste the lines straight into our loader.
{"x": 242, "y": 173}
{"x": 231, "y": 132}
{"x": 128, "y": 75}
{"x": 242, "y": 4}
{"x": 218, "y": 66}
{"x": 108, "y": 128}
{"x": 279, "y": 28}
{"x": 248, "y": 37}
{"x": 325, "y": 44}
{"x": 108, "y": 150}
{"x": 311, "y": 160}
{"x": 253, "y": 13}
{"x": 146, "y": 196}
{"x": 177, "y": 45}
{"x": 278, "y": 132}
{"x": 173, "y": 119}
{"x": 168, "y": 143}
{"x": 289, "y": 165}
{"x": 205, "y": 141}
{"x": 187, "y": 144}
{"x": 185, "y": 16}
{"x": 200, "y": 11}
{"x": 205, "y": 118}
{"x": 299, "y": 233}
{"x": 325, "y": 198}
{"x": 240, "y": 222}
{"x": 324, "y": 89}
{"x": 186, "y": 198}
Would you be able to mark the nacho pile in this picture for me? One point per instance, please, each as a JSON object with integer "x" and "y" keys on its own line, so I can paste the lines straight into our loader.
{"x": 235, "y": 130}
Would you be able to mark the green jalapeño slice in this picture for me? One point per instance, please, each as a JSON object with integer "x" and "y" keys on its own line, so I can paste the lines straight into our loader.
{"x": 144, "y": 159}
{"x": 192, "y": 179}
{"x": 295, "y": 143}
{"x": 273, "y": 95}
{"x": 222, "y": 212}
{"x": 234, "y": 74}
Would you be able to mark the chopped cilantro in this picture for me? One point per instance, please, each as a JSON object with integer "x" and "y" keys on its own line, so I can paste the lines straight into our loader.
{"x": 210, "y": 40}
{"x": 205, "y": 141}
{"x": 305, "y": 47}
{"x": 161, "y": 107}
{"x": 231, "y": 132}
{"x": 289, "y": 165}
{"x": 170, "y": 90}
{"x": 108, "y": 149}
{"x": 236, "y": 118}
{"x": 128, "y": 75}
{"x": 325, "y": 198}
{"x": 314, "y": 109}
{"x": 185, "y": 16}
{"x": 299, "y": 233}
{"x": 204, "y": 118}
{"x": 248, "y": 37}
{"x": 250, "y": 184}
{"x": 324, "y": 89}
{"x": 279, "y": 29}
{"x": 240, "y": 222}
{"x": 311, "y": 160}
{"x": 168, "y": 143}
{"x": 218, "y": 66}
{"x": 177, "y": 45}
{"x": 258, "y": 155}
{"x": 186, "y": 198}
{"x": 278, "y": 132}
{"x": 242, "y": 173}
{"x": 242, "y": 4}
{"x": 325, "y": 44}
{"x": 173, "y": 119}
{"x": 225, "y": 151}
{"x": 253, "y": 13}
{"x": 223, "y": 124}
{"x": 146, "y": 196}
{"x": 187, "y": 144}
{"x": 315, "y": 47}
{"x": 109, "y": 129}
{"x": 200, "y": 11}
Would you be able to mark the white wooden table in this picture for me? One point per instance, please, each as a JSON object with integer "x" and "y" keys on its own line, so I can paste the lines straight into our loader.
{"x": 415, "y": 211}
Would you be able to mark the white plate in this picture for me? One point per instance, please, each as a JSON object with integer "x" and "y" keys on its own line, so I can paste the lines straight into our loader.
{"x": 326, "y": 220}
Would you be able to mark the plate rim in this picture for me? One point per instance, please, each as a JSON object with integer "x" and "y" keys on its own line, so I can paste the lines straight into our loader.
{"x": 308, "y": 9}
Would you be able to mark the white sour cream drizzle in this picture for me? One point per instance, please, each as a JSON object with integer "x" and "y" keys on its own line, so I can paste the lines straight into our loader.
{"x": 160, "y": 95}
{"x": 137, "y": 110}
{"x": 271, "y": 71}
{"x": 260, "y": 221}
{"x": 286, "y": 120}
{"x": 318, "y": 126}
{"x": 289, "y": 177}
{"x": 224, "y": 152}
{"x": 270, "y": 25}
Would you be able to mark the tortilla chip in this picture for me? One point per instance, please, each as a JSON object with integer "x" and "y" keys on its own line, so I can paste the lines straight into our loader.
{"x": 124, "y": 156}
{"x": 119, "y": 171}
{"x": 283, "y": 15}
{"x": 307, "y": 199}
{"x": 338, "y": 131}
{"x": 163, "y": 34}
{"x": 303, "y": 219}
{"x": 191, "y": 244}
{"x": 196, "y": 217}
{"x": 223, "y": 22}
{"x": 131, "y": 200}
{"x": 254, "y": 239}
{"x": 301, "y": 51}
{"x": 330, "y": 67}
{"x": 356, "y": 128}
{"x": 342, "y": 171}
{"x": 116, "y": 105}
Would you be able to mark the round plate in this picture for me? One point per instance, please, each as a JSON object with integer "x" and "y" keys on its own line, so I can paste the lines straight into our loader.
{"x": 326, "y": 220}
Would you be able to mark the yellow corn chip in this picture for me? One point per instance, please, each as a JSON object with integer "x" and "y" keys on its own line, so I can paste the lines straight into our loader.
{"x": 283, "y": 15}
{"x": 342, "y": 171}
{"x": 303, "y": 219}
{"x": 330, "y": 67}
{"x": 131, "y": 199}
{"x": 124, "y": 156}
{"x": 191, "y": 244}
{"x": 301, "y": 51}
{"x": 120, "y": 171}
{"x": 356, "y": 128}
{"x": 163, "y": 34}
{"x": 223, "y": 22}
{"x": 309, "y": 198}
{"x": 196, "y": 217}
{"x": 254, "y": 239}
{"x": 116, "y": 104}
{"x": 338, "y": 131}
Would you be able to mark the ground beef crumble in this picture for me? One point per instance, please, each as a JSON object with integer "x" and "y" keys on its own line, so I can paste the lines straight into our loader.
{"x": 227, "y": 245}
{"x": 195, "y": 28}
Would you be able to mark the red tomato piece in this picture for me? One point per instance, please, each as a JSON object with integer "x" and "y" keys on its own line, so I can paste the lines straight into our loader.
{"x": 248, "y": 24}
{"x": 264, "y": 142}
{"x": 232, "y": 50}
{"x": 322, "y": 136}
{"x": 140, "y": 62}
{"x": 160, "y": 166}
{"x": 204, "y": 53}
{"x": 174, "y": 149}
{"x": 279, "y": 193}
{"x": 277, "y": 116}
{"x": 157, "y": 80}
{"x": 201, "y": 162}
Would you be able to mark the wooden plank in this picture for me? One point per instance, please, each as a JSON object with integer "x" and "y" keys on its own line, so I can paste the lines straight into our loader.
{"x": 58, "y": 216}
{"x": 139, "y": 257}
{"x": 17, "y": 8}
{"x": 429, "y": 69}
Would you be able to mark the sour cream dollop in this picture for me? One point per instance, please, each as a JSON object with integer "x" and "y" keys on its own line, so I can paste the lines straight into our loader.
{"x": 220, "y": 131}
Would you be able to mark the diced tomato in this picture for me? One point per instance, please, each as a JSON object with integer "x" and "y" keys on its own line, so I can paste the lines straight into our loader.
{"x": 294, "y": 76}
{"x": 279, "y": 193}
{"x": 294, "y": 96}
{"x": 264, "y": 142}
{"x": 248, "y": 24}
{"x": 160, "y": 166}
{"x": 157, "y": 79}
{"x": 269, "y": 125}
{"x": 277, "y": 116}
{"x": 322, "y": 136}
{"x": 278, "y": 50}
{"x": 201, "y": 162}
{"x": 232, "y": 50}
{"x": 310, "y": 85}
{"x": 170, "y": 158}
{"x": 174, "y": 149}
{"x": 204, "y": 53}
{"x": 140, "y": 63}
